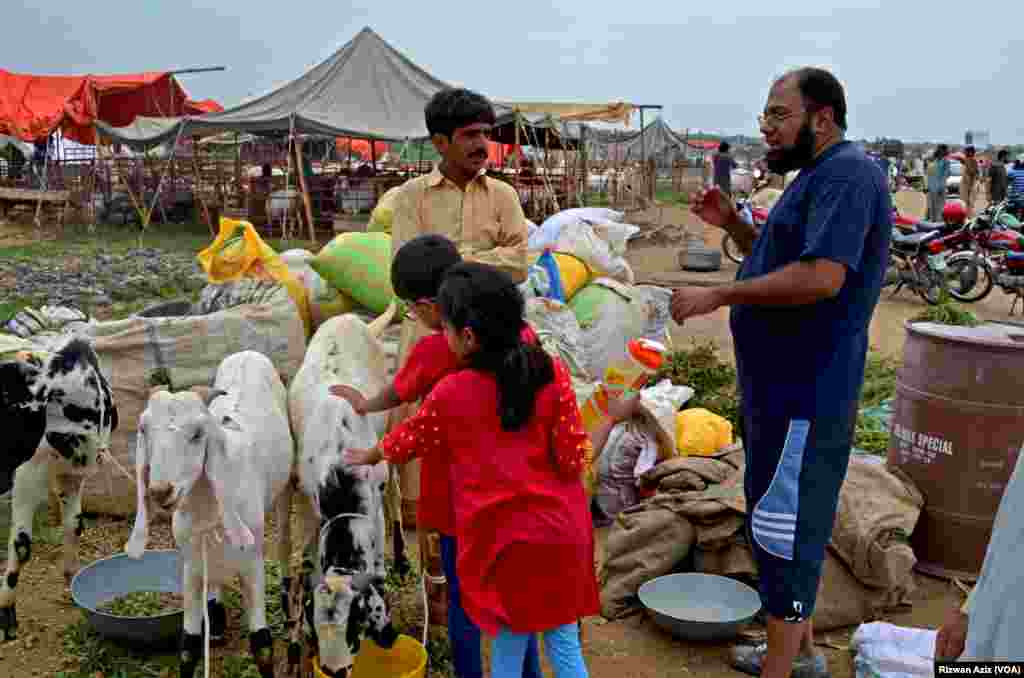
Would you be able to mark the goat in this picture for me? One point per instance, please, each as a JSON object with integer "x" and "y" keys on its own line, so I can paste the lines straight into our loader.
{"x": 59, "y": 412}
{"x": 344, "y": 350}
{"x": 219, "y": 464}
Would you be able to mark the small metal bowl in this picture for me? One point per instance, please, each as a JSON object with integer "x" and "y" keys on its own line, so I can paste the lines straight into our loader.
{"x": 700, "y": 607}
{"x": 119, "y": 575}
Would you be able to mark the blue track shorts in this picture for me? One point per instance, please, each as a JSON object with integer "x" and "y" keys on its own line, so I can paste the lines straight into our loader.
{"x": 795, "y": 470}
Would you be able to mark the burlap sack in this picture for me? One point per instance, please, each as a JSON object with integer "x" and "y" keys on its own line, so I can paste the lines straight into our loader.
{"x": 641, "y": 546}
{"x": 878, "y": 510}
{"x": 186, "y": 350}
{"x": 844, "y": 601}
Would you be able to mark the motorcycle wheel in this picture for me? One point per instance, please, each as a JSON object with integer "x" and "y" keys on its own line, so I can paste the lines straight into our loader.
{"x": 731, "y": 249}
{"x": 931, "y": 285}
{"x": 958, "y": 272}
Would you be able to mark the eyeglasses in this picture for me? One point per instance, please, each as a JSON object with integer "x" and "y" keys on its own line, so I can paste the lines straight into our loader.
{"x": 775, "y": 118}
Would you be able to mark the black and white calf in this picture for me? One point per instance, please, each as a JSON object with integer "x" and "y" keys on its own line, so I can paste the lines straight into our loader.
{"x": 59, "y": 412}
{"x": 343, "y": 571}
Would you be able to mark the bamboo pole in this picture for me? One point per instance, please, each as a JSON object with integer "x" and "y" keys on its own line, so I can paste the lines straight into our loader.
{"x": 303, "y": 187}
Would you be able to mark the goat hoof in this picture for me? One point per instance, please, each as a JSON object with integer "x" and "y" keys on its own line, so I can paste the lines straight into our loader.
{"x": 294, "y": 654}
{"x": 218, "y": 620}
{"x": 261, "y": 644}
{"x": 23, "y": 547}
{"x": 8, "y": 624}
{"x": 191, "y": 654}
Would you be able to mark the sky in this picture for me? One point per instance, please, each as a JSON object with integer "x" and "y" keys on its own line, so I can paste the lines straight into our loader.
{"x": 912, "y": 71}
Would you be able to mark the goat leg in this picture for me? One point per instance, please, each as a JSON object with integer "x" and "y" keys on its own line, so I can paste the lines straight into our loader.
{"x": 191, "y": 654}
{"x": 31, "y": 488}
{"x": 71, "y": 507}
{"x": 261, "y": 644}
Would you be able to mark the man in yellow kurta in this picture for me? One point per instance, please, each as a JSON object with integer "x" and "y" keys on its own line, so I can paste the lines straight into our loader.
{"x": 481, "y": 215}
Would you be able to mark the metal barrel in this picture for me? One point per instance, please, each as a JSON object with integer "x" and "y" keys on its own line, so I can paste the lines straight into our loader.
{"x": 957, "y": 428}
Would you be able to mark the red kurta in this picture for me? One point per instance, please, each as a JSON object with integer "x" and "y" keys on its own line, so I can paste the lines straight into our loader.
{"x": 429, "y": 361}
{"x": 526, "y": 546}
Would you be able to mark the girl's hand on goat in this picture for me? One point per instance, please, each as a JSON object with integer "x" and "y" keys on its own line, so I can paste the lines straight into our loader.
{"x": 362, "y": 457}
{"x": 354, "y": 397}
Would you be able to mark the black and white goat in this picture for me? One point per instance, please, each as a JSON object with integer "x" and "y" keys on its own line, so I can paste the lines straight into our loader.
{"x": 339, "y": 591}
{"x": 219, "y": 464}
{"x": 59, "y": 412}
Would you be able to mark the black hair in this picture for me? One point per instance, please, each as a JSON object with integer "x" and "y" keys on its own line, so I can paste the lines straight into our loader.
{"x": 941, "y": 151}
{"x": 450, "y": 109}
{"x": 969, "y": 150}
{"x": 420, "y": 264}
{"x": 1003, "y": 155}
{"x": 487, "y": 300}
{"x": 820, "y": 89}
{"x": 723, "y": 147}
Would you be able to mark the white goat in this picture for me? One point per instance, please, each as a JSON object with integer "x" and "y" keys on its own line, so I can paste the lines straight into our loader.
{"x": 57, "y": 414}
{"x": 344, "y": 350}
{"x": 219, "y": 465}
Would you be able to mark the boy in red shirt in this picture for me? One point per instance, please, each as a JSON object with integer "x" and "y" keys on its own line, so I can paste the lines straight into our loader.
{"x": 417, "y": 270}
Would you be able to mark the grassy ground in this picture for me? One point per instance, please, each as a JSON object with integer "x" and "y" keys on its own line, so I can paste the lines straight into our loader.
{"x": 76, "y": 242}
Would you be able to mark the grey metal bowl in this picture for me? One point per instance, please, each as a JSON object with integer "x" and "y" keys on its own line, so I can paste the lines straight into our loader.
{"x": 109, "y": 578}
{"x": 701, "y": 607}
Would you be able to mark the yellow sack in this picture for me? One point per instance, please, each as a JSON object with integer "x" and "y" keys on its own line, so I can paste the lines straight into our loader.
{"x": 701, "y": 433}
{"x": 574, "y": 272}
{"x": 384, "y": 213}
{"x": 239, "y": 252}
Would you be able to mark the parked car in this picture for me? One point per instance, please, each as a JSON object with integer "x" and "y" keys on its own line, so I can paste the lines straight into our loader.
{"x": 956, "y": 170}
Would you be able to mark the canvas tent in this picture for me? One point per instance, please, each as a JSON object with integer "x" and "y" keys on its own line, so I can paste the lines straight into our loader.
{"x": 616, "y": 146}
{"x": 365, "y": 90}
{"x": 34, "y": 106}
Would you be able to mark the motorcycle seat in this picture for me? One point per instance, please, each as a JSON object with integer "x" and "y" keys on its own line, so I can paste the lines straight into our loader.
{"x": 928, "y": 226}
{"x": 912, "y": 238}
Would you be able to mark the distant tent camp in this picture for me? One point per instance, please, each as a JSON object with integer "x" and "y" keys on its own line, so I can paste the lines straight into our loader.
{"x": 365, "y": 90}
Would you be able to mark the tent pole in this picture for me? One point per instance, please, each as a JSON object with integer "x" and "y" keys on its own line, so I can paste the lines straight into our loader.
{"x": 304, "y": 187}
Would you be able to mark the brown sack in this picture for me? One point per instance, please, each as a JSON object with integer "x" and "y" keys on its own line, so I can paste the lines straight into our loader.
{"x": 844, "y": 601}
{"x": 878, "y": 510}
{"x": 641, "y": 546}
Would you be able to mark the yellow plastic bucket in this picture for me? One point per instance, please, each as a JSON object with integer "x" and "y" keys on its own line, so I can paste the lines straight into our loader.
{"x": 406, "y": 659}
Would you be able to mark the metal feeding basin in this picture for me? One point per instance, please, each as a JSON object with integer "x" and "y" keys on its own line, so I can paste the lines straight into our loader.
{"x": 104, "y": 580}
{"x": 701, "y": 607}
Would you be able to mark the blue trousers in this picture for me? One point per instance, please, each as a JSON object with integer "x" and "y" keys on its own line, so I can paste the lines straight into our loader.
{"x": 561, "y": 645}
{"x": 463, "y": 634}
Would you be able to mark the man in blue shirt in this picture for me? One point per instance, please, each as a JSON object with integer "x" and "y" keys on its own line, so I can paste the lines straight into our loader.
{"x": 800, "y": 311}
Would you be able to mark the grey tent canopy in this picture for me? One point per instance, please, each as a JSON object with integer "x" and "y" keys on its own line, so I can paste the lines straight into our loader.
{"x": 367, "y": 89}
{"x": 614, "y": 145}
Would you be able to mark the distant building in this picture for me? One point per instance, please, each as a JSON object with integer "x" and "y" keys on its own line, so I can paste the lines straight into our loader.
{"x": 977, "y": 138}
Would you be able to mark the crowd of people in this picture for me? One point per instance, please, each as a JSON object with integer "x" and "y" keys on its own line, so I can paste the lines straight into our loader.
{"x": 494, "y": 420}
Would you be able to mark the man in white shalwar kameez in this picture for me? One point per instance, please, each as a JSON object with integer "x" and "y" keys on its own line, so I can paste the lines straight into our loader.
{"x": 990, "y": 625}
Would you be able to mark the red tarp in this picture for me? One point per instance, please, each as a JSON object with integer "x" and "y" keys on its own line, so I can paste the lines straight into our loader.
{"x": 33, "y": 106}
{"x": 360, "y": 147}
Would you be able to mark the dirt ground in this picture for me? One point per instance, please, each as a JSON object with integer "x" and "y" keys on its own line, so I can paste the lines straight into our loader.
{"x": 633, "y": 648}
{"x": 655, "y": 260}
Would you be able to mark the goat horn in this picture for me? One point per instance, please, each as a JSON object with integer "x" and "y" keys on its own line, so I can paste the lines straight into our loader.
{"x": 382, "y": 321}
{"x": 207, "y": 393}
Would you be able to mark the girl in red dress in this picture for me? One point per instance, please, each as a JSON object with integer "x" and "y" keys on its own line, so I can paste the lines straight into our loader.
{"x": 509, "y": 424}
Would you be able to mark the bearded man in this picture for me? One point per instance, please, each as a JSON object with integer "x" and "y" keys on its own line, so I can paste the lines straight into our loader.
{"x": 800, "y": 311}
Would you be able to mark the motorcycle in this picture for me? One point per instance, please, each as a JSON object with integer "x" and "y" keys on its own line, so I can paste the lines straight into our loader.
{"x": 918, "y": 261}
{"x": 1001, "y": 247}
{"x": 758, "y": 216}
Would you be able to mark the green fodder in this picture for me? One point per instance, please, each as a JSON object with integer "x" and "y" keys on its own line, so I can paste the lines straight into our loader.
{"x": 712, "y": 379}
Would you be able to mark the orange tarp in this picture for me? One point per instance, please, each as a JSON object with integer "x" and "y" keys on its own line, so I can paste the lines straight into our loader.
{"x": 33, "y": 106}
{"x": 360, "y": 147}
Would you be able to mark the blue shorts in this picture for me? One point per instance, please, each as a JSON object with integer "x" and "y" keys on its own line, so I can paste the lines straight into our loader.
{"x": 795, "y": 470}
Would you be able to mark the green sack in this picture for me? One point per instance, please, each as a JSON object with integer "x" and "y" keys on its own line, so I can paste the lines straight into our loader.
{"x": 359, "y": 265}
{"x": 587, "y": 303}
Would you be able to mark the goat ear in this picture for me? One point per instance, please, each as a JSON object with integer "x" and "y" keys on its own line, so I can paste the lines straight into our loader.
{"x": 226, "y": 489}
{"x": 140, "y": 532}
{"x": 207, "y": 393}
